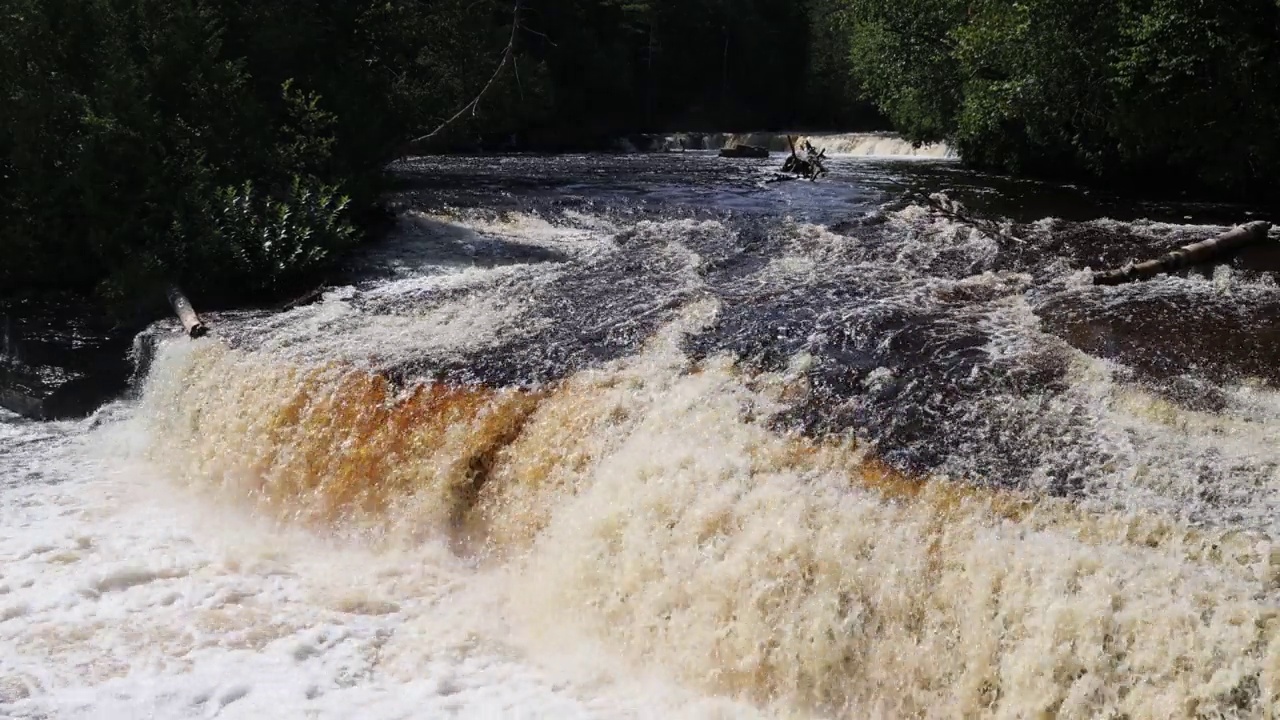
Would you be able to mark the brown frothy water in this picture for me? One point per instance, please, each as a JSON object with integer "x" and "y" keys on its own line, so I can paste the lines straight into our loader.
{"x": 647, "y": 504}
{"x": 344, "y": 445}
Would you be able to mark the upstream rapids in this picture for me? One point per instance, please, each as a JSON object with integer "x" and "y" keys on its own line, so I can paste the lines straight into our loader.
{"x": 650, "y": 436}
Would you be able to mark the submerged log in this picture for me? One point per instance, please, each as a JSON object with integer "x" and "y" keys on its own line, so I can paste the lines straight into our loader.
{"x": 187, "y": 314}
{"x": 950, "y": 208}
{"x": 311, "y": 296}
{"x": 1218, "y": 249}
{"x": 744, "y": 151}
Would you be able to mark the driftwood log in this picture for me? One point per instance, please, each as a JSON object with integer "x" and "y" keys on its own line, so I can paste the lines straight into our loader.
{"x": 187, "y": 314}
{"x": 810, "y": 166}
{"x": 1218, "y": 249}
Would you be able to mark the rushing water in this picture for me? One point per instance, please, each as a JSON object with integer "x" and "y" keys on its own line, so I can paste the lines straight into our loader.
{"x": 655, "y": 436}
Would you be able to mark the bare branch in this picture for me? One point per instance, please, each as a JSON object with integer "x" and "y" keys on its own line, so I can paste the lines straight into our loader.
{"x": 542, "y": 35}
{"x": 949, "y": 208}
{"x": 508, "y": 55}
{"x": 515, "y": 65}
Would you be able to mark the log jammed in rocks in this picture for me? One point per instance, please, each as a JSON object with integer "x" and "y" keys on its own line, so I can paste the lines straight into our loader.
{"x": 810, "y": 166}
{"x": 1218, "y": 249}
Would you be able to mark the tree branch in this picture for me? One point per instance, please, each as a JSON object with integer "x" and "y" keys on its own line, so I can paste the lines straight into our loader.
{"x": 508, "y": 54}
{"x": 541, "y": 35}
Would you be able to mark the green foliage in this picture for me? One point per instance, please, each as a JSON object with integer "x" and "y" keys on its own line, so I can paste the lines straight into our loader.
{"x": 833, "y": 98}
{"x": 231, "y": 145}
{"x": 268, "y": 243}
{"x": 903, "y": 56}
{"x": 635, "y": 65}
{"x": 124, "y": 122}
{"x": 1177, "y": 91}
{"x": 211, "y": 142}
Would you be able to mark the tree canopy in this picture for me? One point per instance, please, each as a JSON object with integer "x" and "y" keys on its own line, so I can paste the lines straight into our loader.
{"x": 1177, "y": 92}
{"x": 237, "y": 146}
{"x": 231, "y": 145}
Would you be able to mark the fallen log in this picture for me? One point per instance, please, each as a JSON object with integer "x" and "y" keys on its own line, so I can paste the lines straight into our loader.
{"x": 744, "y": 151}
{"x": 1217, "y": 249}
{"x": 186, "y": 314}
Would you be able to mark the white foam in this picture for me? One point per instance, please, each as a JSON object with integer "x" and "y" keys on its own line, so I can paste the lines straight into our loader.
{"x": 646, "y": 511}
{"x": 872, "y": 144}
{"x": 654, "y": 541}
{"x": 877, "y": 145}
{"x": 432, "y": 257}
{"x": 123, "y": 599}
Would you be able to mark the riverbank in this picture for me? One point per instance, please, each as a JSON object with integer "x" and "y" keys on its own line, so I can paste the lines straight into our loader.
{"x": 60, "y": 357}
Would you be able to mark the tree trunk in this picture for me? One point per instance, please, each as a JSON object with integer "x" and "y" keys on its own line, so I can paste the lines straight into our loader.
{"x": 187, "y": 314}
{"x": 1218, "y": 249}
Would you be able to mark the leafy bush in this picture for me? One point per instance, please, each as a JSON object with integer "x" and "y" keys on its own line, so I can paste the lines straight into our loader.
{"x": 221, "y": 144}
{"x": 270, "y": 243}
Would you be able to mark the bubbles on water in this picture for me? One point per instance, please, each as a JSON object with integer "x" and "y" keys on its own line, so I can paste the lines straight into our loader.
{"x": 870, "y": 460}
{"x": 976, "y": 331}
{"x": 644, "y": 502}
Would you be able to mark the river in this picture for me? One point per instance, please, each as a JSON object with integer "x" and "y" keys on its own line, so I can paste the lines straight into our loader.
{"x": 650, "y": 435}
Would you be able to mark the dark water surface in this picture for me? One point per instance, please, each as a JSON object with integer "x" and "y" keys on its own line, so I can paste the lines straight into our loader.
{"x": 652, "y": 481}
{"x": 971, "y": 345}
{"x": 975, "y": 347}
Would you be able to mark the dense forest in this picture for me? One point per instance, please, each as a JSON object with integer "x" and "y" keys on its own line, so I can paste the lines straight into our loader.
{"x": 237, "y": 146}
{"x": 1185, "y": 93}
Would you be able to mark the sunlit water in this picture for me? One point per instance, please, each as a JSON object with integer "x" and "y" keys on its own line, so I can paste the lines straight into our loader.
{"x": 653, "y": 436}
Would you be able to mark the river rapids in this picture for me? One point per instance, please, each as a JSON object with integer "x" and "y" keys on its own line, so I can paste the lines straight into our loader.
{"x": 654, "y": 436}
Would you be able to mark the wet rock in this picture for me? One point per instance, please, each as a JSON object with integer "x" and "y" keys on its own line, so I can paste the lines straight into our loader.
{"x": 745, "y": 151}
{"x": 56, "y": 363}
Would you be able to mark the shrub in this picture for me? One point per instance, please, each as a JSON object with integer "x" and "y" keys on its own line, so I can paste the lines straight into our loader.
{"x": 221, "y": 144}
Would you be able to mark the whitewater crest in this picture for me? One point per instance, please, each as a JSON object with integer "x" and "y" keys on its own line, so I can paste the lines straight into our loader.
{"x": 794, "y": 451}
{"x": 645, "y": 504}
{"x": 869, "y": 144}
